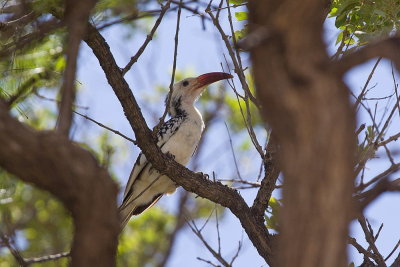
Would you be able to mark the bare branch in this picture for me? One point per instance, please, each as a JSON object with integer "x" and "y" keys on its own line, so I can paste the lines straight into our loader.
{"x": 359, "y": 248}
{"x": 148, "y": 39}
{"x": 393, "y": 250}
{"x": 106, "y": 127}
{"x": 271, "y": 172}
{"x": 233, "y": 152}
{"x": 387, "y": 48}
{"x": 180, "y": 223}
{"x": 11, "y": 25}
{"x": 135, "y": 16}
{"x": 396, "y": 262}
{"x": 381, "y": 187}
{"x": 217, "y": 255}
{"x": 48, "y": 258}
{"x": 384, "y": 174}
{"x": 171, "y": 85}
{"x": 376, "y": 255}
{"x": 17, "y": 255}
{"x": 361, "y": 95}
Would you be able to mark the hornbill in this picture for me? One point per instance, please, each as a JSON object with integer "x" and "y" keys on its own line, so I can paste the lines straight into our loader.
{"x": 179, "y": 136}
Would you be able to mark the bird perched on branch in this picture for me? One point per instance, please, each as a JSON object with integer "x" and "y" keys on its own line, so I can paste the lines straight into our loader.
{"x": 179, "y": 136}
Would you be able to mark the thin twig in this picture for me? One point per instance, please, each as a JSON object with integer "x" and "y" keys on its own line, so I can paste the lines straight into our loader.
{"x": 390, "y": 139}
{"x": 217, "y": 226}
{"x": 233, "y": 152}
{"x": 208, "y": 219}
{"x": 242, "y": 181}
{"x": 216, "y": 255}
{"x": 143, "y": 14}
{"x": 359, "y": 248}
{"x": 106, "y": 127}
{"x": 148, "y": 39}
{"x": 238, "y": 69}
{"x": 171, "y": 85}
{"x": 384, "y": 174}
{"x": 237, "y": 251}
{"x": 361, "y": 95}
{"x": 393, "y": 250}
{"x": 179, "y": 225}
{"x": 376, "y": 255}
{"x": 208, "y": 262}
{"x": 48, "y": 258}
{"x": 17, "y": 255}
{"x": 217, "y": 9}
{"x": 395, "y": 89}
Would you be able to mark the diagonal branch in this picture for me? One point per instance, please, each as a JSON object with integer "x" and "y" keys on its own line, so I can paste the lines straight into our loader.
{"x": 388, "y": 48}
{"x": 216, "y": 254}
{"x": 16, "y": 254}
{"x": 272, "y": 171}
{"x": 148, "y": 39}
{"x": 171, "y": 85}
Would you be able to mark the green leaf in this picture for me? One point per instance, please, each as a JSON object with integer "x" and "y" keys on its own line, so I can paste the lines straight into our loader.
{"x": 241, "y": 16}
{"x": 339, "y": 38}
{"x": 236, "y": 2}
{"x": 240, "y": 34}
{"x": 340, "y": 20}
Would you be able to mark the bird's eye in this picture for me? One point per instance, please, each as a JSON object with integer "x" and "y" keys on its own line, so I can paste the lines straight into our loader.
{"x": 185, "y": 83}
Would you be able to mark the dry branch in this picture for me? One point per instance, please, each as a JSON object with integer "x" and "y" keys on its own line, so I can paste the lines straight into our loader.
{"x": 387, "y": 48}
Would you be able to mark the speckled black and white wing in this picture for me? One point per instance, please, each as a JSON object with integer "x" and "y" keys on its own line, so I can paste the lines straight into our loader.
{"x": 136, "y": 196}
{"x": 168, "y": 129}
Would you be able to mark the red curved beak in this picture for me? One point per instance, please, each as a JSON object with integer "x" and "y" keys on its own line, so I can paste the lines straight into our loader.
{"x": 209, "y": 78}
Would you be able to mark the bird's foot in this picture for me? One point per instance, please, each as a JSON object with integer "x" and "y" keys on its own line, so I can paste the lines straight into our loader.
{"x": 205, "y": 175}
{"x": 170, "y": 155}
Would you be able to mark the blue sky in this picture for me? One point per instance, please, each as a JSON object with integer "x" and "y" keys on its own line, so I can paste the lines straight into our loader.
{"x": 201, "y": 51}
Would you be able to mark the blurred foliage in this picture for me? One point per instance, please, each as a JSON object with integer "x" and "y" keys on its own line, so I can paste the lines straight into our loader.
{"x": 144, "y": 241}
{"x": 36, "y": 221}
{"x": 362, "y": 21}
{"x": 272, "y": 214}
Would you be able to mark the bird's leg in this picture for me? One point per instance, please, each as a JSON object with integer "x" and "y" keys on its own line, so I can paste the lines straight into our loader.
{"x": 204, "y": 175}
{"x": 170, "y": 155}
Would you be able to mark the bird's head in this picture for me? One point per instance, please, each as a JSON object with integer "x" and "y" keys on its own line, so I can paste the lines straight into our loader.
{"x": 186, "y": 92}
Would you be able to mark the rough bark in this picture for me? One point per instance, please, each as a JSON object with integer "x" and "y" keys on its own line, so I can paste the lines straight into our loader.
{"x": 54, "y": 163}
{"x": 309, "y": 111}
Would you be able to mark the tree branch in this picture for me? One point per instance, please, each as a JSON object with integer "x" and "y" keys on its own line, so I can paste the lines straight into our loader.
{"x": 388, "y": 48}
{"x": 272, "y": 172}
{"x": 77, "y": 180}
{"x": 148, "y": 39}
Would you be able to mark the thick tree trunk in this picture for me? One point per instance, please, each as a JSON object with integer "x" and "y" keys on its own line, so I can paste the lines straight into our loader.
{"x": 309, "y": 111}
{"x": 52, "y": 162}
